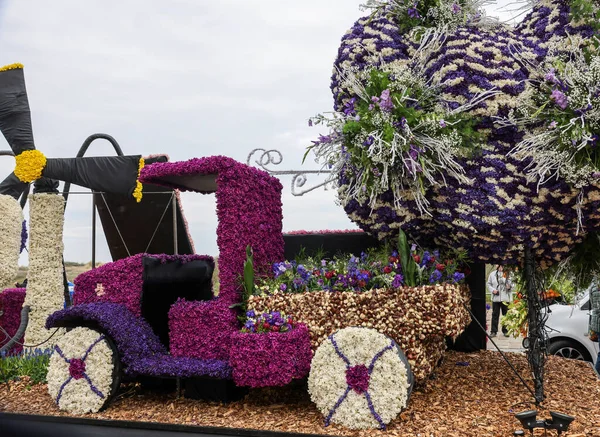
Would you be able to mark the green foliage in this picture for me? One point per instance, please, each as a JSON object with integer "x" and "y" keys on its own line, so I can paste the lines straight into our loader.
{"x": 587, "y": 12}
{"x": 409, "y": 265}
{"x": 33, "y": 364}
{"x": 515, "y": 320}
{"x": 248, "y": 287}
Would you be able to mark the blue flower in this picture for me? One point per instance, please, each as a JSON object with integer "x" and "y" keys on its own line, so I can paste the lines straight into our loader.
{"x": 435, "y": 276}
{"x": 457, "y": 277}
{"x": 250, "y": 314}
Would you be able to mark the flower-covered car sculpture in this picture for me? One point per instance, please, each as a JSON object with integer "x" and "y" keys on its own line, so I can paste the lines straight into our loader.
{"x": 156, "y": 316}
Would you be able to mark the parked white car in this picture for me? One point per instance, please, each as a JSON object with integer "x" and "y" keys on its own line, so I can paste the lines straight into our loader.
{"x": 567, "y": 327}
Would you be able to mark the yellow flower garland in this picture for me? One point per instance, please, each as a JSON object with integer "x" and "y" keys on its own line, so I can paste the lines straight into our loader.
{"x": 15, "y": 66}
{"x": 30, "y": 165}
{"x": 137, "y": 193}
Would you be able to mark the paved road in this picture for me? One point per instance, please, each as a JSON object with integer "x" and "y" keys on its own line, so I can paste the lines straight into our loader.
{"x": 505, "y": 344}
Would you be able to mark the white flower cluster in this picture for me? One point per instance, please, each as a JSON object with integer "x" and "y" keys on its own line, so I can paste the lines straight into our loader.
{"x": 45, "y": 290}
{"x": 388, "y": 383}
{"x": 558, "y": 148}
{"x": 395, "y": 154}
{"x": 11, "y": 219}
{"x": 77, "y": 396}
{"x": 444, "y": 14}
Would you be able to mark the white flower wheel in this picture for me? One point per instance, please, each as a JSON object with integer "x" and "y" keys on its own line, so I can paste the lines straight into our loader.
{"x": 359, "y": 378}
{"x": 84, "y": 371}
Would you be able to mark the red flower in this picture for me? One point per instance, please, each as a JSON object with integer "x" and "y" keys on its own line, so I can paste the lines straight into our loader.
{"x": 362, "y": 283}
{"x": 440, "y": 267}
{"x": 417, "y": 258}
{"x": 266, "y": 325}
{"x": 274, "y": 328}
{"x": 330, "y": 274}
{"x": 387, "y": 269}
{"x": 393, "y": 259}
{"x": 317, "y": 272}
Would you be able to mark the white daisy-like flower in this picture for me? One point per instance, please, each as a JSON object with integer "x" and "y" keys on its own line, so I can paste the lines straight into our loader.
{"x": 81, "y": 371}
{"x": 360, "y": 379}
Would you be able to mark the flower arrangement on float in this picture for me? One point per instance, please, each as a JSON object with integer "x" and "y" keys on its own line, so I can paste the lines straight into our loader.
{"x": 411, "y": 295}
{"x": 374, "y": 269}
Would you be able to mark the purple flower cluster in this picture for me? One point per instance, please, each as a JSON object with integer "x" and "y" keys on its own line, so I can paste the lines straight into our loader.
{"x": 249, "y": 212}
{"x": 132, "y": 334}
{"x": 201, "y": 329}
{"x": 560, "y": 99}
{"x": 270, "y": 359}
{"x": 273, "y": 321}
{"x": 11, "y": 302}
{"x": 24, "y": 236}
{"x": 357, "y": 378}
{"x": 121, "y": 281}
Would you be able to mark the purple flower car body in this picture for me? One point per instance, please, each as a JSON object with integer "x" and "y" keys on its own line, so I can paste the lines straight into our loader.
{"x": 160, "y": 311}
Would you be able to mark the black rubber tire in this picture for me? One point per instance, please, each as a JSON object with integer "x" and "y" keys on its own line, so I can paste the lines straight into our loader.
{"x": 569, "y": 349}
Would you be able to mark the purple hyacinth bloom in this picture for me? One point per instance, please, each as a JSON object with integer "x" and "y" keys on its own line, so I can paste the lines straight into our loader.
{"x": 250, "y": 314}
{"x": 456, "y": 8}
{"x": 413, "y": 12}
{"x": 443, "y": 123}
{"x": 77, "y": 368}
{"x": 553, "y": 125}
{"x": 560, "y": 99}
{"x": 349, "y": 107}
{"x": 398, "y": 281}
{"x": 413, "y": 152}
{"x": 368, "y": 141}
{"x": 385, "y": 101}
{"x": 551, "y": 76}
{"x": 283, "y": 287}
{"x": 357, "y": 378}
{"x": 310, "y": 122}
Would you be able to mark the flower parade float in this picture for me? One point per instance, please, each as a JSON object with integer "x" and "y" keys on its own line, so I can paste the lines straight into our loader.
{"x": 463, "y": 133}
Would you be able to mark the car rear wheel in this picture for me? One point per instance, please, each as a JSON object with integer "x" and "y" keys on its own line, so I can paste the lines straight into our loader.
{"x": 569, "y": 349}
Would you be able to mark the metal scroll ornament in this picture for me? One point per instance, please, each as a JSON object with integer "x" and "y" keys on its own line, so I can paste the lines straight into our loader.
{"x": 264, "y": 158}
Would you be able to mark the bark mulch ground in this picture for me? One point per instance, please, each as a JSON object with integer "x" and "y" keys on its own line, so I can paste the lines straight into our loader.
{"x": 469, "y": 395}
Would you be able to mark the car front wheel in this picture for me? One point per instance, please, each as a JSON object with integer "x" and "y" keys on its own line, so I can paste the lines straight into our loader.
{"x": 568, "y": 349}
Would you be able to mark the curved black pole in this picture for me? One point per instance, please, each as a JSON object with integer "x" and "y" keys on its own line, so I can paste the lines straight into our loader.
{"x": 84, "y": 147}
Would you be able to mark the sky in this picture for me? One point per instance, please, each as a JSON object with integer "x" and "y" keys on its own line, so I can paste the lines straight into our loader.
{"x": 189, "y": 78}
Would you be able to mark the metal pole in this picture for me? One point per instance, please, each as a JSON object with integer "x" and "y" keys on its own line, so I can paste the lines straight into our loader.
{"x": 174, "y": 206}
{"x": 93, "y": 230}
{"x": 535, "y": 338}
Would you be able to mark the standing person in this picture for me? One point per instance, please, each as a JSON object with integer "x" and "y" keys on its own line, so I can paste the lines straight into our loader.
{"x": 499, "y": 285}
{"x": 594, "y": 325}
